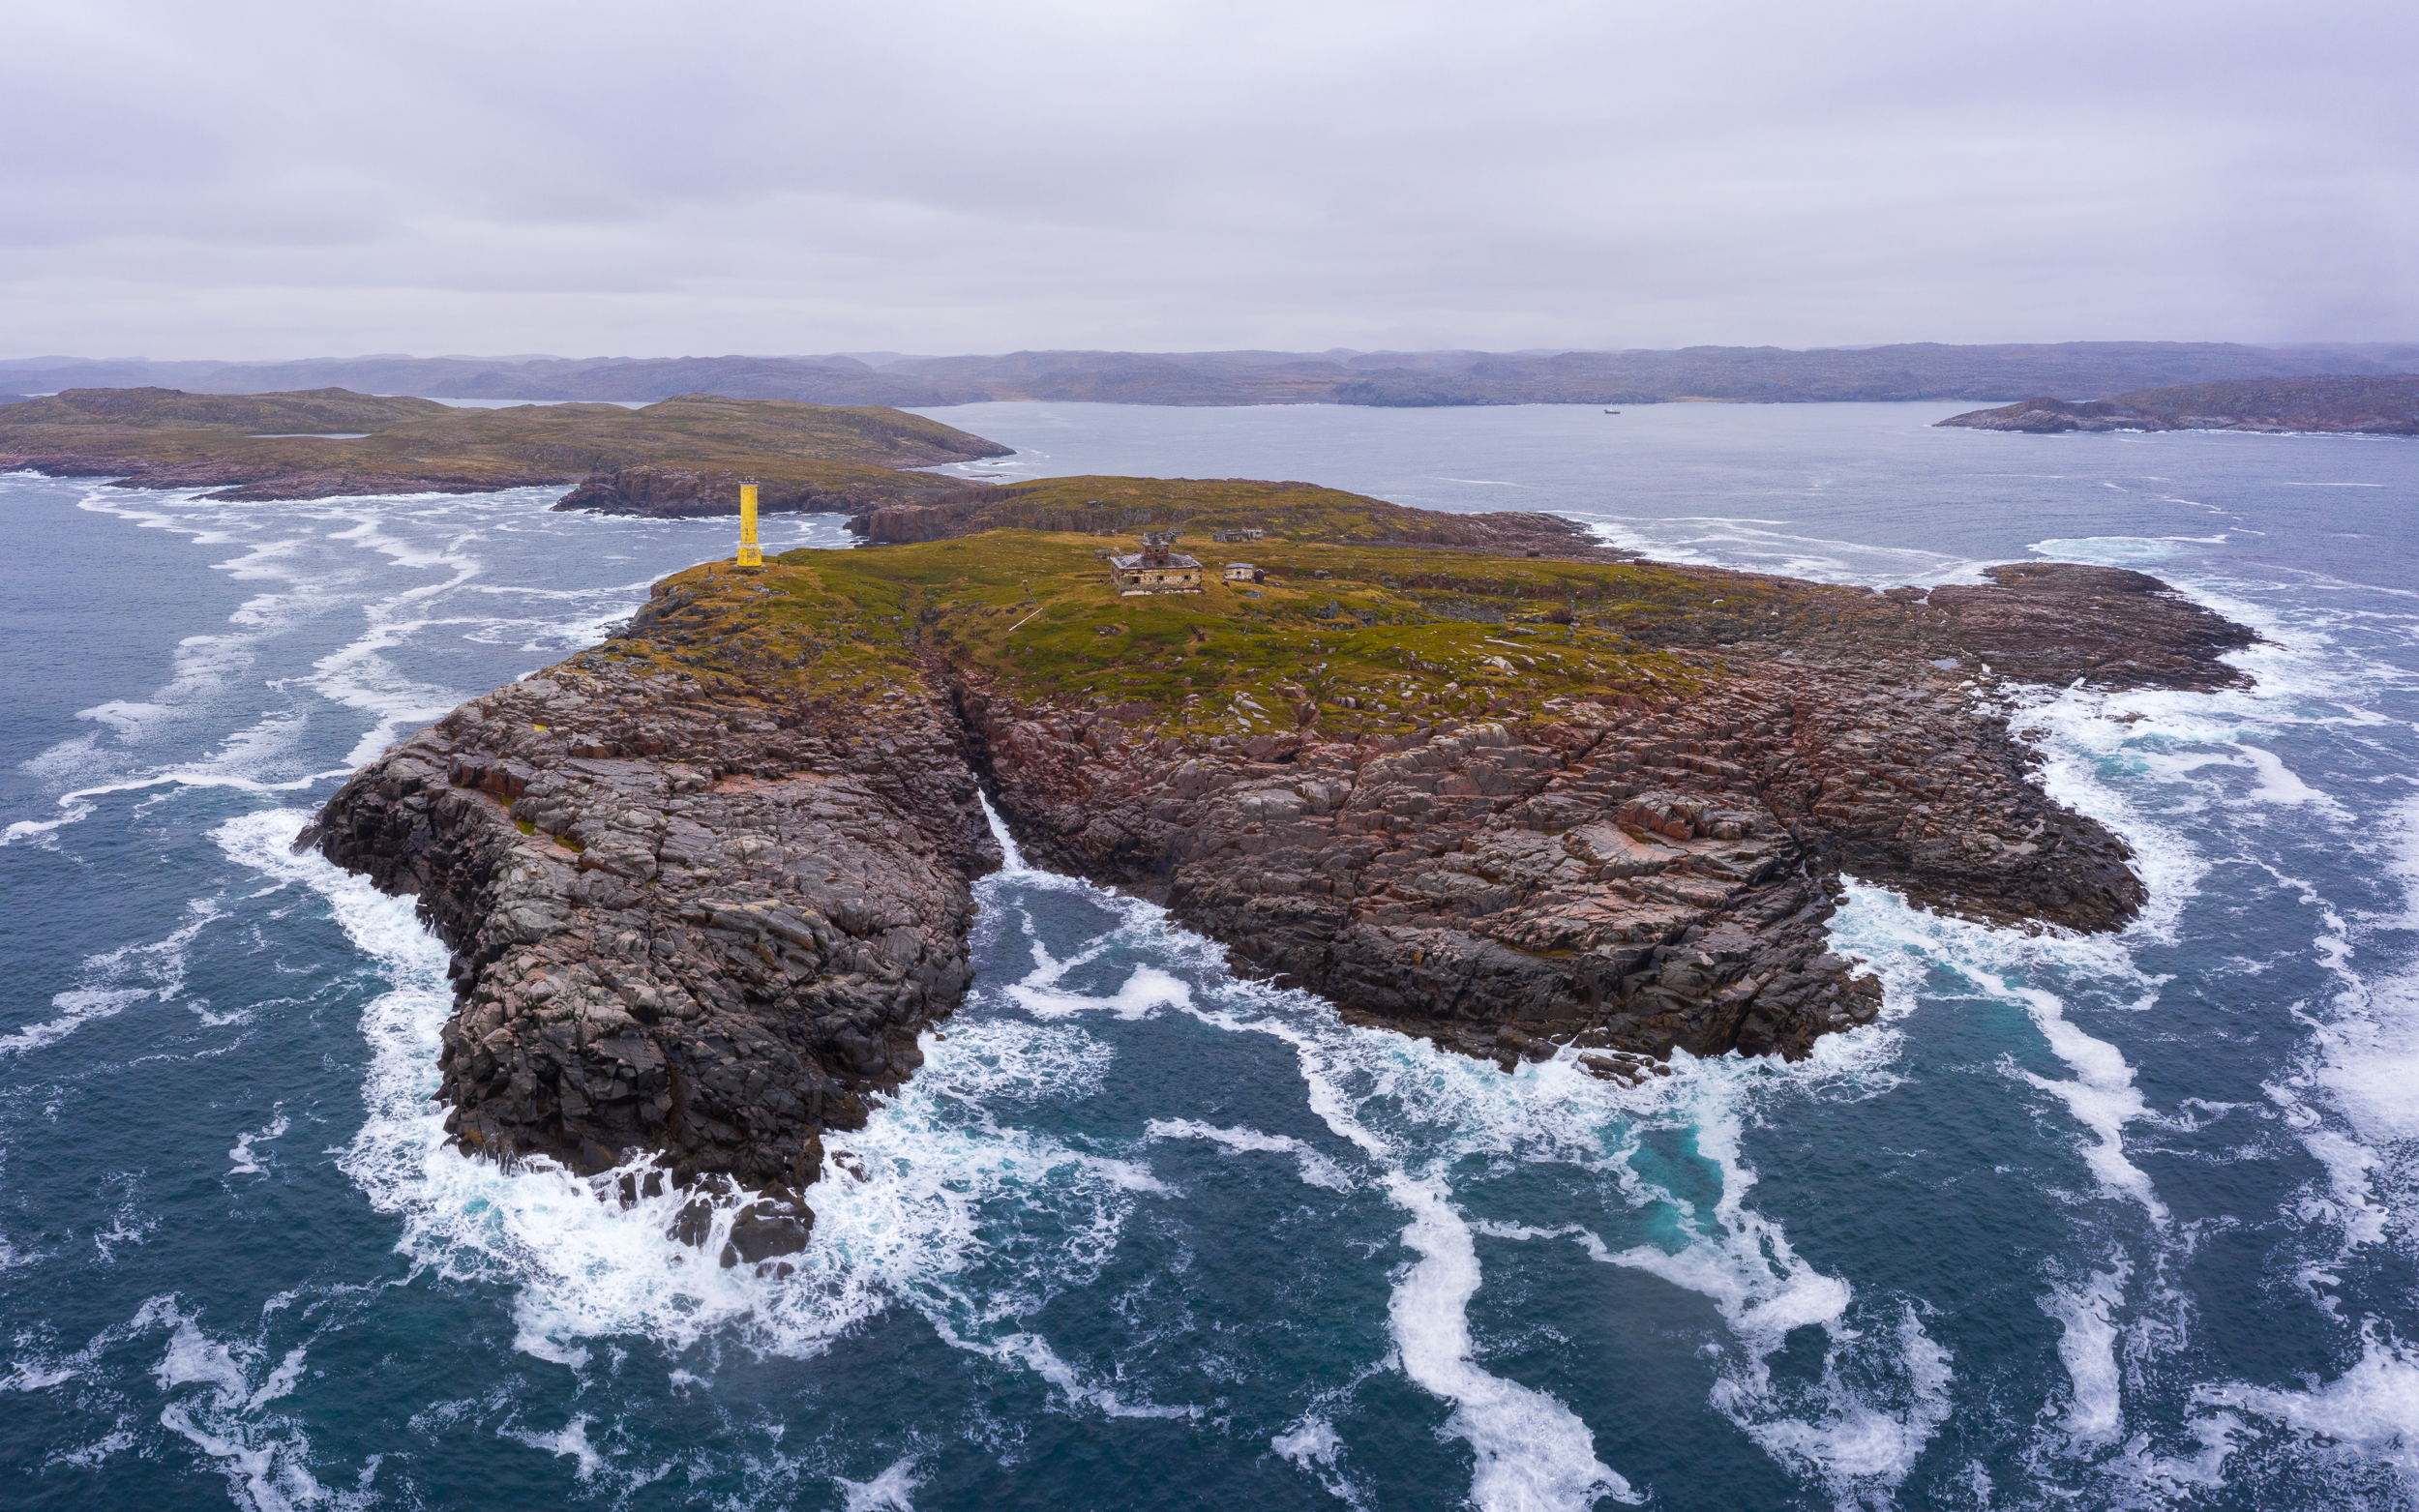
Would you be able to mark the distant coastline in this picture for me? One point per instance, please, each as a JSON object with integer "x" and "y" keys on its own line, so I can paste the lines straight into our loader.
{"x": 1417, "y": 379}
{"x": 2378, "y": 406}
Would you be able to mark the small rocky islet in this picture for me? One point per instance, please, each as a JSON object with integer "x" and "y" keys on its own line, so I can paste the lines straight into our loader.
{"x": 706, "y": 883}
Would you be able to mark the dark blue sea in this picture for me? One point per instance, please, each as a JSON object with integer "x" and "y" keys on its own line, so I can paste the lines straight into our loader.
{"x": 2080, "y": 1223}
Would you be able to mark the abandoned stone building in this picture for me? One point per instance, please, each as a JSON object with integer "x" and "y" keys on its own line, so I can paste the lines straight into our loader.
{"x": 1156, "y": 568}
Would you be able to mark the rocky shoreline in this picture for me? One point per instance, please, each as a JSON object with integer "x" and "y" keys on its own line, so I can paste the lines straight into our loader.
{"x": 706, "y": 884}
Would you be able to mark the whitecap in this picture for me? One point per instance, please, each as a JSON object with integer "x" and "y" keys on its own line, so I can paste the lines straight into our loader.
{"x": 108, "y": 988}
{"x": 1316, "y": 1168}
{"x": 241, "y": 1159}
{"x": 2371, "y": 1410}
{"x": 887, "y": 1492}
{"x": 2085, "y": 1313}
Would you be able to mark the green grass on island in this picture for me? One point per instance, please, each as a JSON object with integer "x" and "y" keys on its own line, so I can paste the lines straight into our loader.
{"x": 1363, "y": 640}
{"x": 1097, "y": 505}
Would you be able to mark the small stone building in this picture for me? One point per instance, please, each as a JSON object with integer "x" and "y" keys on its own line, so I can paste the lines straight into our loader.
{"x": 1156, "y": 568}
{"x": 1246, "y": 533}
{"x": 1242, "y": 572}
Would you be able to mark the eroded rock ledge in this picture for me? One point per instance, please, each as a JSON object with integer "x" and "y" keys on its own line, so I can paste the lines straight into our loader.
{"x": 706, "y": 883}
{"x": 703, "y": 926}
{"x": 1631, "y": 881}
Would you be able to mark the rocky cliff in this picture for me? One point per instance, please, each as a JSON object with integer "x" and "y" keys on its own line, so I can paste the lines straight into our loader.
{"x": 705, "y": 883}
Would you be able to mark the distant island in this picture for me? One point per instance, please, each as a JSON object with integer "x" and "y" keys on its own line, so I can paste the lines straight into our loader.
{"x": 1762, "y": 375}
{"x": 684, "y": 455}
{"x": 2381, "y": 405}
{"x": 1223, "y": 510}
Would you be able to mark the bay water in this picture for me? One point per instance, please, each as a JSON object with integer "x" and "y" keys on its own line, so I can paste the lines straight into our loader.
{"x": 2102, "y": 1221}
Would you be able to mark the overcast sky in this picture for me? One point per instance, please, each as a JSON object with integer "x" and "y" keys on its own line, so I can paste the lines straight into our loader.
{"x": 281, "y": 180}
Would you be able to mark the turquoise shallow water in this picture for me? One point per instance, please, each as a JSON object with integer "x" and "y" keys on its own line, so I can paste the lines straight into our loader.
{"x": 2111, "y": 1222}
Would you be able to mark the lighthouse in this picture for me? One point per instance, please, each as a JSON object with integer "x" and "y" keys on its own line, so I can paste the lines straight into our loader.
{"x": 750, "y": 554}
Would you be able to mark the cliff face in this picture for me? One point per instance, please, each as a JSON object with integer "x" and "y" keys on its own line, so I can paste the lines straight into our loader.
{"x": 707, "y": 881}
{"x": 684, "y": 919}
{"x": 2378, "y": 406}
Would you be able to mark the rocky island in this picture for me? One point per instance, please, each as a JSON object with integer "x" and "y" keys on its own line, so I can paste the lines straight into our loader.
{"x": 2378, "y": 406}
{"x": 684, "y": 455}
{"x": 708, "y": 882}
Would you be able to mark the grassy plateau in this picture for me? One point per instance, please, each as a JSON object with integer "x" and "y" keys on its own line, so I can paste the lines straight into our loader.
{"x": 1364, "y": 641}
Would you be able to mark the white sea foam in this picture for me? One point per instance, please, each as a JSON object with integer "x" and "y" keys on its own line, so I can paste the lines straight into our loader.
{"x": 1312, "y": 1440}
{"x": 242, "y": 1161}
{"x": 1313, "y": 1447}
{"x": 2087, "y": 1348}
{"x": 993, "y": 1061}
{"x": 2371, "y": 1410}
{"x": 887, "y": 1492}
{"x": 1861, "y": 1440}
{"x": 2108, "y": 550}
{"x": 1532, "y": 1451}
{"x": 1144, "y": 990}
{"x": 107, "y": 988}
{"x": 373, "y": 556}
{"x": 1414, "y": 1111}
{"x": 567, "y": 1442}
{"x": 1316, "y": 1168}
{"x": 937, "y": 1196}
{"x": 2346, "y": 1096}
{"x": 2099, "y": 1095}
{"x": 1752, "y": 544}
{"x": 1012, "y": 859}
{"x": 26, "y": 1376}
{"x": 264, "y": 1455}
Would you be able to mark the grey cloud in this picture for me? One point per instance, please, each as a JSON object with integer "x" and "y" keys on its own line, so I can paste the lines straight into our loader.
{"x": 263, "y": 180}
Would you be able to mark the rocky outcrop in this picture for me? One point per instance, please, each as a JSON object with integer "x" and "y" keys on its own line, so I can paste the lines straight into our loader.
{"x": 1633, "y": 881}
{"x": 706, "y": 884}
{"x": 1632, "y": 878}
{"x": 684, "y": 919}
{"x": 2360, "y": 406}
{"x": 2052, "y": 622}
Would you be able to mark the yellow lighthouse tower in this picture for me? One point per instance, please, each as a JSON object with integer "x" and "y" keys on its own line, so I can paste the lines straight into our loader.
{"x": 750, "y": 554}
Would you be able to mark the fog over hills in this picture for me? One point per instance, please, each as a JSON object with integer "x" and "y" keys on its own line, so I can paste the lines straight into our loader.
{"x": 1915, "y": 371}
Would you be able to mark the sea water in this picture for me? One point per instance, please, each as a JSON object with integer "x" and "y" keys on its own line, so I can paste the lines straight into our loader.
{"x": 2082, "y": 1220}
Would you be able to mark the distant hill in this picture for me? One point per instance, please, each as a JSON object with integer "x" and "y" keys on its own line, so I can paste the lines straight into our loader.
{"x": 1922, "y": 370}
{"x": 2387, "y": 405}
{"x": 323, "y": 442}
